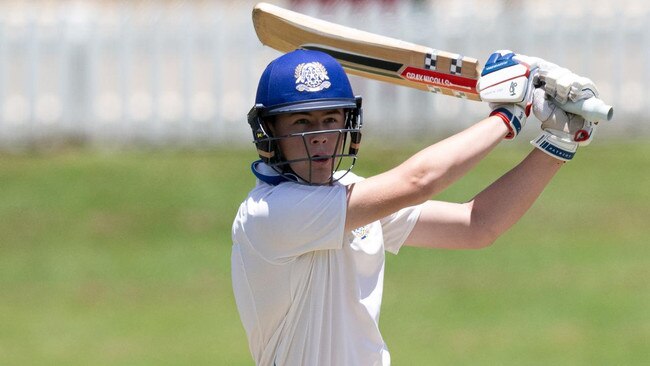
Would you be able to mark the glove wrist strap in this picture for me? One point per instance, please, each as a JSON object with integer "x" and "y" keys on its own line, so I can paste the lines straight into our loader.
{"x": 513, "y": 116}
{"x": 555, "y": 146}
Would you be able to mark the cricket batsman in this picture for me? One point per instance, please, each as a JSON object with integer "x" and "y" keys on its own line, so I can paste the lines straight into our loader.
{"x": 309, "y": 241}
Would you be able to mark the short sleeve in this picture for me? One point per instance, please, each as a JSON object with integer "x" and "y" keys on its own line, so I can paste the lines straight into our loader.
{"x": 397, "y": 227}
{"x": 288, "y": 220}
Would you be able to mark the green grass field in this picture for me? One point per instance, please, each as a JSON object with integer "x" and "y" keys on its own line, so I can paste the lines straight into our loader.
{"x": 124, "y": 259}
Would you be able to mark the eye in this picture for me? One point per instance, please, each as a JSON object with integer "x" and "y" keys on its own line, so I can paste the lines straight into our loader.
{"x": 333, "y": 120}
{"x": 301, "y": 121}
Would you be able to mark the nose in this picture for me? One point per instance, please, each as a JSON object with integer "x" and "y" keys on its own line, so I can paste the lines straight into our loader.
{"x": 318, "y": 139}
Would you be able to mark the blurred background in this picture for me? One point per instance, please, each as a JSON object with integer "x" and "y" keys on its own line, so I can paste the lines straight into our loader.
{"x": 124, "y": 155}
{"x": 163, "y": 73}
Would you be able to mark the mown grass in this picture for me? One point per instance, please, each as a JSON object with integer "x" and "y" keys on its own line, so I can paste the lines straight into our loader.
{"x": 123, "y": 258}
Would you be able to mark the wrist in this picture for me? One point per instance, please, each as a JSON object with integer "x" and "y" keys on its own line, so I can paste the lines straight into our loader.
{"x": 499, "y": 125}
{"x": 547, "y": 159}
{"x": 512, "y": 116}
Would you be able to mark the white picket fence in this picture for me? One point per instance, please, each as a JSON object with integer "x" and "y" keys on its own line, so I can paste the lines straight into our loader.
{"x": 184, "y": 73}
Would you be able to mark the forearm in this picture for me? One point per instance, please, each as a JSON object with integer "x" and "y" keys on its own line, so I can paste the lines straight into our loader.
{"x": 433, "y": 169}
{"x": 505, "y": 201}
{"x": 423, "y": 175}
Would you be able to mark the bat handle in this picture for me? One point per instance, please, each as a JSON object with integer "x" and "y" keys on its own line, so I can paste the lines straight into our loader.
{"x": 591, "y": 109}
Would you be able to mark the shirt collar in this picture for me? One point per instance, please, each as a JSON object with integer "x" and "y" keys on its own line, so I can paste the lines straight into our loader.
{"x": 269, "y": 175}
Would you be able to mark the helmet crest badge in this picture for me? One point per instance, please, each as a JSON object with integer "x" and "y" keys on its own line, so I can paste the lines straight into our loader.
{"x": 311, "y": 77}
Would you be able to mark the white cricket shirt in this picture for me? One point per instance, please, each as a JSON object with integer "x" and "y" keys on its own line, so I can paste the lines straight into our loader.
{"x": 307, "y": 292}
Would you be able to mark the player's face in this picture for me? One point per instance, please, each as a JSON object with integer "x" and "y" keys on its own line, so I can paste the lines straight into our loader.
{"x": 317, "y": 147}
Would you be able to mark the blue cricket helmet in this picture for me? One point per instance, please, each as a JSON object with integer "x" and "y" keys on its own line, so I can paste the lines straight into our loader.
{"x": 302, "y": 81}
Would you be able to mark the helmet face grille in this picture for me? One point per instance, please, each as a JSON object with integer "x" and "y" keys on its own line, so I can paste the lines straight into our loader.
{"x": 343, "y": 155}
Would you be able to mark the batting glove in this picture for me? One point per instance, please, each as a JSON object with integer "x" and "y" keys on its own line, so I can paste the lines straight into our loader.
{"x": 562, "y": 132}
{"x": 506, "y": 82}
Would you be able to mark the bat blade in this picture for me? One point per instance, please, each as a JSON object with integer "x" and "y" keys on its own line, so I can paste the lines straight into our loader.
{"x": 367, "y": 54}
{"x": 386, "y": 59}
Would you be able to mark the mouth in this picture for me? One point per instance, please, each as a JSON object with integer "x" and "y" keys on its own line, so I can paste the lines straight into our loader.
{"x": 321, "y": 159}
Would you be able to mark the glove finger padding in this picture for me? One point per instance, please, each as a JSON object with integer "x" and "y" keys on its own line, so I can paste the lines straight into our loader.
{"x": 582, "y": 88}
{"x": 562, "y": 132}
{"x": 549, "y": 81}
{"x": 564, "y": 85}
{"x": 568, "y": 126}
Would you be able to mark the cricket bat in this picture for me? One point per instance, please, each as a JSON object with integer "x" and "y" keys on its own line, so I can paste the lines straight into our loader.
{"x": 386, "y": 59}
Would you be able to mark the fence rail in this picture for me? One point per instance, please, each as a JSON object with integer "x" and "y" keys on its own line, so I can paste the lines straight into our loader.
{"x": 184, "y": 73}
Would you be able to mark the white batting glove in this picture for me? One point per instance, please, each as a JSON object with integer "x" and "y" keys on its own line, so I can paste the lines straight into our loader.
{"x": 562, "y": 132}
{"x": 506, "y": 82}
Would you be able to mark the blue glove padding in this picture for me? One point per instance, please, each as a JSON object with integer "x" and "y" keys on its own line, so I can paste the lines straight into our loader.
{"x": 506, "y": 82}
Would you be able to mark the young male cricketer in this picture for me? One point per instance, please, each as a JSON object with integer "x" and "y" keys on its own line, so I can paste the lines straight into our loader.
{"x": 308, "y": 242}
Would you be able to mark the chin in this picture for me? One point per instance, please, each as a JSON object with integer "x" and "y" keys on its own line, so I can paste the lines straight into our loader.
{"x": 320, "y": 174}
{"x": 317, "y": 178}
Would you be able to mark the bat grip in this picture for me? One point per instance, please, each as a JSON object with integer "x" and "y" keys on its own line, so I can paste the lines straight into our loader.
{"x": 591, "y": 109}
